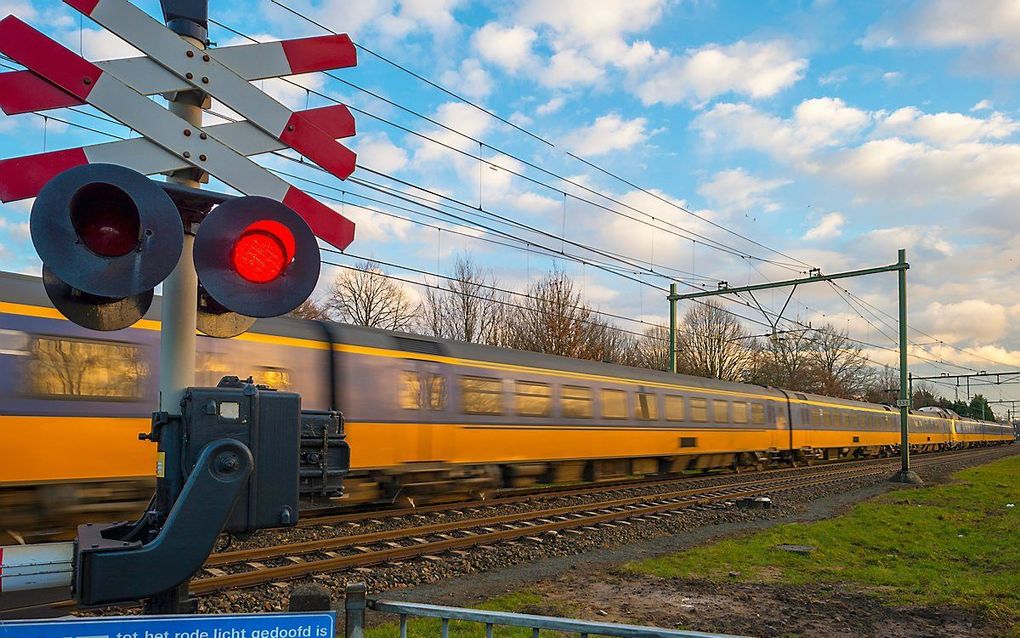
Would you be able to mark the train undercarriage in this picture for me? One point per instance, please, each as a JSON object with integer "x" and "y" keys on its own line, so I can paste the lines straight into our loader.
{"x": 47, "y": 512}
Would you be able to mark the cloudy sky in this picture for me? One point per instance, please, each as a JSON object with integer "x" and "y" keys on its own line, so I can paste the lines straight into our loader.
{"x": 736, "y": 141}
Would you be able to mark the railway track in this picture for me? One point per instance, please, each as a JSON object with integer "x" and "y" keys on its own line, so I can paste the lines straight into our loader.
{"x": 250, "y": 567}
{"x": 513, "y": 496}
{"x": 245, "y": 568}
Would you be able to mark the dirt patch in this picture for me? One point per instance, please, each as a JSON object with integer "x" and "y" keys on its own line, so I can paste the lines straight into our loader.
{"x": 750, "y": 609}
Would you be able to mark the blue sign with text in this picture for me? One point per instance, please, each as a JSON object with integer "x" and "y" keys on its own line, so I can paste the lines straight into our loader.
{"x": 303, "y": 625}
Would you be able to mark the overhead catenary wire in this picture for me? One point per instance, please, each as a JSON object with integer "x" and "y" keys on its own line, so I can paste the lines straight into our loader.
{"x": 670, "y": 228}
{"x": 547, "y": 142}
{"x": 481, "y": 159}
{"x": 540, "y": 138}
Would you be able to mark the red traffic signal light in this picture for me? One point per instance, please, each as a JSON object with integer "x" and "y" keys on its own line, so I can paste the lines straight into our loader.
{"x": 107, "y": 235}
{"x": 255, "y": 257}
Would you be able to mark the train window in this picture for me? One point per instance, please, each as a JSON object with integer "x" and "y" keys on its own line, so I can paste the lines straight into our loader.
{"x": 614, "y": 404}
{"x": 409, "y": 393}
{"x": 815, "y": 415}
{"x": 576, "y": 401}
{"x": 699, "y": 410}
{"x": 674, "y": 408}
{"x": 757, "y": 414}
{"x": 210, "y": 367}
{"x": 89, "y": 369}
{"x": 827, "y": 417}
{"x": 481, "y": 395}
{"x": 437, "y": 391}
{"x": 533, "y": 399}
{"x": 647, "y": 407}
{"x": 275, "y": 378}
{"x": 720, "y": 411}
{"x": 740, "y": 412}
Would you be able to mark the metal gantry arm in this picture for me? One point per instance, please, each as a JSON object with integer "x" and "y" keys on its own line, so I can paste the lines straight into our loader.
{"x": 901, "y": 266}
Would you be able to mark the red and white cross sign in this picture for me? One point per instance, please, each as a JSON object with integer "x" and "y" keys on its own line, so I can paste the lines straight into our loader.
{"x": 118, "y": 88}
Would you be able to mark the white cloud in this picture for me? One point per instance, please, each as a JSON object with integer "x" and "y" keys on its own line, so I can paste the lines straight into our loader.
{"x": 462, "y": 117}
{"x": 754, "y": 69}
{"x": 598, "y": 26}
{"x": 520, "y": 119}
{"x": 569, "y": 68}
{"x": 929, "y": 240}
{"x": 552, "y": 106}
{"x": 376, "y": 227}
{"x": 376, "y": 151}
{"x": 983, "y": 105}
{"x": 909, "y": 157}
{"x": 508, "y": 47}
{"x": 816, "y": 124}
{"x": 585, "y": 39}
{"x": 945, "y": 129}
{"x": 471, "y": 79}
{"x": 968, "y": 320}
{"x": 434, "y": 16}
{"x": 607, "y": 133}
{"x": 17, "y": 230}
{"x": 989, "y": 31}
{"x": 735, "y": 189}
{"x": 829, "y": 226}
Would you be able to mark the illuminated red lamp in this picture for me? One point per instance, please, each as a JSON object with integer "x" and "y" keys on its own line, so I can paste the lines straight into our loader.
{"x": 263, "y": 251}
{"x": 256, "y": 257}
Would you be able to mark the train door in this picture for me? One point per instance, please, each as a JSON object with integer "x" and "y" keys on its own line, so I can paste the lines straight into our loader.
{"x": 430, "y": 433}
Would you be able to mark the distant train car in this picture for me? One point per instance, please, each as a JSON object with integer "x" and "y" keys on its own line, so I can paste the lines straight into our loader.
{"x": 427, "y": 418}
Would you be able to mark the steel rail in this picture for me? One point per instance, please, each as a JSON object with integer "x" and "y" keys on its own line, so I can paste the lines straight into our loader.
{"x": 304, "y": 547}
{"x": 376, "y": 557}
{"x": 517, "y": 495}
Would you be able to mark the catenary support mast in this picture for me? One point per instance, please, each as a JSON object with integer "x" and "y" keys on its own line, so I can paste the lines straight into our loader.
{"x": 905, "y": 475}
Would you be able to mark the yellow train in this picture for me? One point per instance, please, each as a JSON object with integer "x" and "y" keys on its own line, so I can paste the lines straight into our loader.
{"x": 426, "y": 418}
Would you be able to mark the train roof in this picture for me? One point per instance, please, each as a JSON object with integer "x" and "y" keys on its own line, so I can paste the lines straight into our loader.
{"x": 28, "y": 289}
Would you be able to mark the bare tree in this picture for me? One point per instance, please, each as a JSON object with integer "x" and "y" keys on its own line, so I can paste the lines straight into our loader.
{"x": 555, "y": 320}
{"x": 884, "y": 387}
{"x": 841, "y": 368}
{"x": 787, "y": 361}
{"x": 309, "y": 309}
{"x": 711, "y": 343}
{"x": 469, "y": 307}
{"x": 651, "y": 350}
{"x": 366, "y": 297}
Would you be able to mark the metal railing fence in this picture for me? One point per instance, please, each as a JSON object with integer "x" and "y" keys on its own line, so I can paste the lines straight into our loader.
{"x": 357, "y": 603}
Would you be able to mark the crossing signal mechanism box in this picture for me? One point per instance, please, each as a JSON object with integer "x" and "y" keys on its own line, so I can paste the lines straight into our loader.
{"x": 268, "y": 422}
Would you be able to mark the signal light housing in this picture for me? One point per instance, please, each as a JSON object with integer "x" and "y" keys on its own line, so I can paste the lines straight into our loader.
{"x": 107, "y": 235}
{"x": 255, "y": 257}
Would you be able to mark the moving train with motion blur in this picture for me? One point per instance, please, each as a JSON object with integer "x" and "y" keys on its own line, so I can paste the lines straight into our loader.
{"x": 427, "y": 419}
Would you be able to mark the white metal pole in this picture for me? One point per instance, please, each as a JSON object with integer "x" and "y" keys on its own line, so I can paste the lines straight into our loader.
{"x": 180, "y": 289}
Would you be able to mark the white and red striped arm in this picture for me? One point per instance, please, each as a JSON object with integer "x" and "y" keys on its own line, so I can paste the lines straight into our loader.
{"x": 23, "y": 177}
{"x": 208, "y": 74}
{"x": 37, "y": 566}
{"x": 24, "y": 91}
{"x": 72, "y": 73}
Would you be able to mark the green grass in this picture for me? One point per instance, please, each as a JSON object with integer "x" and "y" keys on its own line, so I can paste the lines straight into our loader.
{"x": 955, "y": 544}
{"x": 524, "y": 602}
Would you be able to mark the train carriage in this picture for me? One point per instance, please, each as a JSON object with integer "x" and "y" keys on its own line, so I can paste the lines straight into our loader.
{"x": 426, "y": 418}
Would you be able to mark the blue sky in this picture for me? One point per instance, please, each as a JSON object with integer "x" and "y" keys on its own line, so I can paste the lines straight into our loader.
{"x": 833, "y": 133}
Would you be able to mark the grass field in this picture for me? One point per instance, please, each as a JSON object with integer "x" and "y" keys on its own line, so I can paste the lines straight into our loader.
{"x": 953, "y": 544}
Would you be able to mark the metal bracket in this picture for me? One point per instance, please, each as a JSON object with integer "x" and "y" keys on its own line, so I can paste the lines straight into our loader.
{"x": 112, "y": 568}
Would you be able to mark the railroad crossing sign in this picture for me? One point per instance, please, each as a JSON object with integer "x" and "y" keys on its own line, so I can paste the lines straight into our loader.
{"x": 58, "y": 77}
